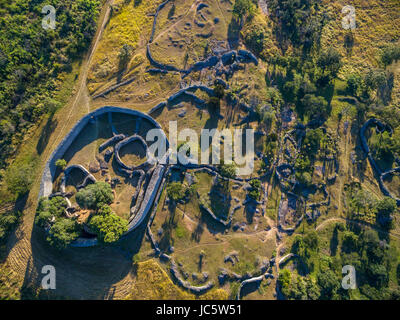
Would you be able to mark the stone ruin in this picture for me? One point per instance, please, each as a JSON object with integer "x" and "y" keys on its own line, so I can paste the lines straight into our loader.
{"x": 151, "y": 170}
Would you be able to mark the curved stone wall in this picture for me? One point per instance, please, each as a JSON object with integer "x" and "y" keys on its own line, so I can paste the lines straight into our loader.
{"x": 46, "y": 184}
{"x": 48, "y": 176}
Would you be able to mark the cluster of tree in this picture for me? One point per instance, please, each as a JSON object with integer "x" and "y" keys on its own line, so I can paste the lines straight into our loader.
{"x": 243, "y": 9}
{"x": 50, "y": 214}
{"x": 298, "y": 287}
{"x": 308, "y": 152}
{"x": 256, "y": 39}
{"x": 385, "y": 147}
{"x": 306, "y": 247}
{"x": 320, "y": 276}
{"x": 108, "y": 226}
{"x": 374, "y": 259}
{"x": 304, "y": 78}
{"x": 95, "y": 196}
{"x": 299, "y": 22}
{"x": 325, "y": 283}
{"x": 363, "y": 203}
{"x": 32, "y": 57}
{"x": 377, "y": 81}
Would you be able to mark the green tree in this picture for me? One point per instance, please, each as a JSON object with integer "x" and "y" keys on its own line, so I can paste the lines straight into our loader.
{"x": 329, "y": 283}
{"x": 61, "y": 163}
{"x": 243, "y": 9}
{"x": 219, "y": 91}
{"x": 315, "y": 106}
{"x": 390, "y": 53}
{"x": 175, "y": 191}
{"x": 109, "y": 227}
{"x": 63, "y": 232}
{"x": 354, "y": 83}
{"x": 284, "y": 281}
{"x": 228, "y": 170}
{"x": 95, "y": 195}
{"x": 385, "y": 209}
{"x": 48, "y": 209}
{"x": 330, "y": 62}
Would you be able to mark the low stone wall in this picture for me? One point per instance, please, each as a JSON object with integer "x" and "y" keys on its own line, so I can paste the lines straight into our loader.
{"x": 286, "y": 258}
{"x": 153, "y": 30}
{"x": 111, "y": 141}
{"x": 196, "y": 290}
{"x": 214, "y": 217}
{"x": 256, "y": 280}
{"x": 88, "y": 176}
{"x": 138, "y": 188}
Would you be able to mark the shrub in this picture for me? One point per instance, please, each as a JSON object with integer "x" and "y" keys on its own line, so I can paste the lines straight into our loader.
{"x": 354, "y": 83}
{"x": 7, "y": 222}
{"x": 255, "y": 193}
{"x": 390, "y": 53}
{"x": 175, "y": 191}
{"x": 228, "y": 170}
{"x": 219, "y": 91}
{"x": 61, "y": 163}
{"x": 330, "y": 61}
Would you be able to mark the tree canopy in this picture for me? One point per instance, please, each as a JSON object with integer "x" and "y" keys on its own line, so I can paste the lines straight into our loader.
{"x": 108, "y": 226}
{"x": 95, "y": 195}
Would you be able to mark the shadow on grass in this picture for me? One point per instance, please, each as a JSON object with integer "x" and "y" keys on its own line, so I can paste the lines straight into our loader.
{"x": 81, "y": 273}
{"x": 47, "y": 130}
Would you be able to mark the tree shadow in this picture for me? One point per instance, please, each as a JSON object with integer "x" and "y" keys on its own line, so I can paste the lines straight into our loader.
{"x": 47, "y": 130}
{"x": 233, "y": 34}
{"x": 81, "y": 273}
{"x": 334, "y": 242}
